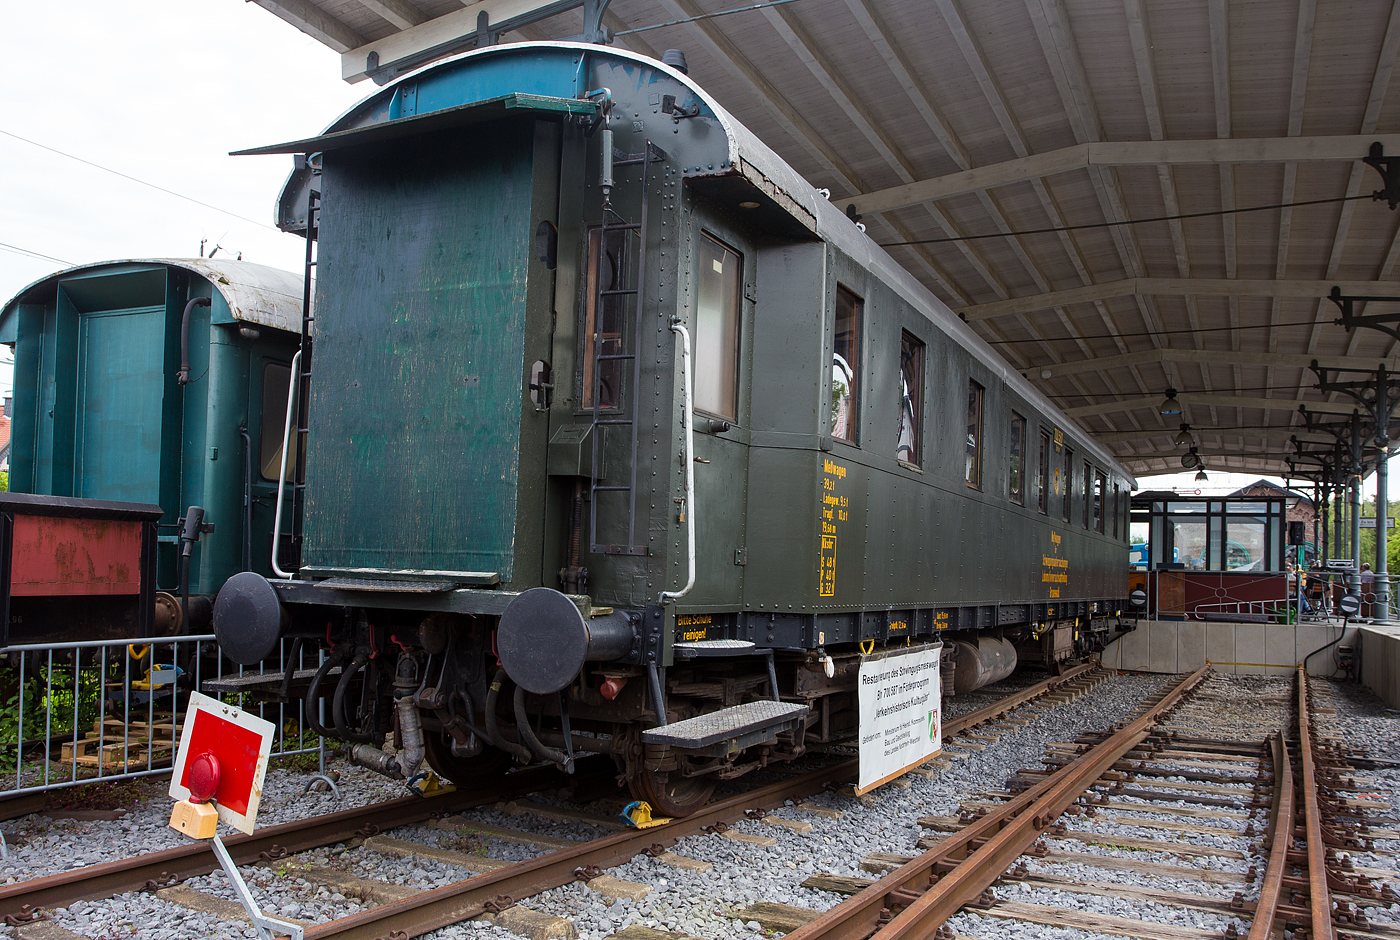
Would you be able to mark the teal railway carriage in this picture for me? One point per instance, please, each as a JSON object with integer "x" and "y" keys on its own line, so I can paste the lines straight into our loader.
{"x": 102, "y": 420}
{"x": 616, "y": 422}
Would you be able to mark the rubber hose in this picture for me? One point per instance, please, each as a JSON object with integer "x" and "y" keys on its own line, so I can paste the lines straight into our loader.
{"x": 493, "y": 731}
{"x": 313, "y": 696}
{"x": 1324, "y": 648}
{"x": 527, "y": 734}
{"x": 342, "y": 727}
{"x": 183, "y": 376}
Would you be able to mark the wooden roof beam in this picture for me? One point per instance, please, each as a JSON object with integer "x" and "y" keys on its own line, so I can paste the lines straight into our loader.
{"x": 1125, "y": 153}
{"x": 400, "y": 13}
{"x": 440, "y": 36}
{"x": 1174, "y": 287}
{"x": 315, "y": 22}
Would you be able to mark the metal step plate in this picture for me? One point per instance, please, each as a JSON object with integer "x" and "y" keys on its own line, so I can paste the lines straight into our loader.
{"x": 696, "y": 648}
{"x": 405, "y": 587}
{"x": 729, "y": 728}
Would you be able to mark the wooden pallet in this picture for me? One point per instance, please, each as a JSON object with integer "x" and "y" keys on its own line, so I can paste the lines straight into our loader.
{"x": 114, "y": 745}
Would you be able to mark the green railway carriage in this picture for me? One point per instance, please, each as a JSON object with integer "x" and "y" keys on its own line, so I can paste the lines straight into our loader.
{"x": 102, "y": 418}
{"x": 616, "y": 420}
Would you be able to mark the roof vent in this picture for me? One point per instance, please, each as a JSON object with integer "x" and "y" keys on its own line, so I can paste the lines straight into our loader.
{"x": 676, "y": 60}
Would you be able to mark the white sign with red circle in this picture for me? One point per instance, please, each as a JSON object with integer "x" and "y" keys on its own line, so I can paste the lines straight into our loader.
{"x": 239, "y": 745}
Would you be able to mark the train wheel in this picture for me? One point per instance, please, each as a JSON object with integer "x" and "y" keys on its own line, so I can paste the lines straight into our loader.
{"x": 671, "y": 794}
{"x": 467, "y": 772}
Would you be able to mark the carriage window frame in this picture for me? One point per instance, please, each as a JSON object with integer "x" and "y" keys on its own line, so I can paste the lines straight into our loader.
{"x": 1067, "y": 512}
{"x": 973, "y": 473}
{"x": 1100, "y": 491}
{"x": 1043, "y": 497}
{"x": 1016, "y": 461}
{"x": 1088, "y": 491}
{"x": 913, "y": 354}
{"x": 1117, "y": 500}
{"x": 846, "y": 346}
{"x": 730, "y": 327}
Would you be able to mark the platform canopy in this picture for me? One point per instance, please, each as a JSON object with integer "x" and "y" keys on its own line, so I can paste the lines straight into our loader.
{"x": 971, "y": 126}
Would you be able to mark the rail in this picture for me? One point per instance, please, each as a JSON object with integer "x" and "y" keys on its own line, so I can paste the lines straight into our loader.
{"x": 1281, "y": 830}
{"x": 194, "y": 858}
{"x": 934, "y": 886}
{"x": 466, "y": 898}
{"x": 1320, "y": 902}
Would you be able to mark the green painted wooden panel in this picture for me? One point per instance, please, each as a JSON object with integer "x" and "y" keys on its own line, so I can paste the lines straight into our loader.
{"x": 117, "y": 440}
{"x": 413, "y": 455}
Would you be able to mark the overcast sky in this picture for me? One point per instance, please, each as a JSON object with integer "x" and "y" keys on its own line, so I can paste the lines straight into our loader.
{"x": 162, "y": 90}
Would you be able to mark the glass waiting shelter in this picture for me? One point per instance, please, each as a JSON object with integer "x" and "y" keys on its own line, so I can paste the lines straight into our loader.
{"x": 1239, "y": 533}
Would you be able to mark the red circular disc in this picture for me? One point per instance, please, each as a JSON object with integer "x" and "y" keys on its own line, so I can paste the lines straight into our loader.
{"x": 202, "y": 777}
{"x": 1198, "y": 492}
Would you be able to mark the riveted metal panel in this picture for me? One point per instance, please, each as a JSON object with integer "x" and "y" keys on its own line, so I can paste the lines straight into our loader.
{"x": 416, "y": 399}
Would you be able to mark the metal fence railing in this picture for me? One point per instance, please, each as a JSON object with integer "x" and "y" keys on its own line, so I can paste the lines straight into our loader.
{"x": 73, "y": 713}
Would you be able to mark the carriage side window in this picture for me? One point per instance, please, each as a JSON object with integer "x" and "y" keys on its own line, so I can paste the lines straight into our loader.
{"x": 845, "y": 366}
{"x": 1088, "y": 491}
{"x": 1115, "y": 510}
{"x": 1100, "y": 485}
{"x": 277, "y": 383}
{"x": 1044, "y": 495}
{"x": 604, "y": 319}
{"x": 1016, "y": 486}
{"x": 974, "y": 435}
{"x": 1067, "y": 484}
{"x": 717, "y": 328}
{"x": 909, "y": 440}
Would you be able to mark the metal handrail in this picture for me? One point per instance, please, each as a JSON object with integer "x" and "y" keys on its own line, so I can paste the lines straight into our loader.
{"x": 292, "y": 389}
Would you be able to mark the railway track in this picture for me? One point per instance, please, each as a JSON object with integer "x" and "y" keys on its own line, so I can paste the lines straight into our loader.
{"x": 1312, "y": 891}
{"x": 486, "y": 893}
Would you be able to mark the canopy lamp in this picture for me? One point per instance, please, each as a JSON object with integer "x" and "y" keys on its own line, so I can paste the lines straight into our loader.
{"x": 1201, "y": 475}
{"x": 1171, "y": 406}
{"x": 1183, "y": 437}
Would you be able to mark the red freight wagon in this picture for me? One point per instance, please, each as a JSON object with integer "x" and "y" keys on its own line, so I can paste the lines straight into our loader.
{"x": 76, "y": 569}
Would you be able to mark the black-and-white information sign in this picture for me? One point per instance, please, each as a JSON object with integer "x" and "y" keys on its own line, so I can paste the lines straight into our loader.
{"x": 901, "y": 722}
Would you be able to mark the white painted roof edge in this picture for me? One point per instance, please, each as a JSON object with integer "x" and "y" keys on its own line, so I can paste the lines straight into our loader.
{"x": 255, "y": 293}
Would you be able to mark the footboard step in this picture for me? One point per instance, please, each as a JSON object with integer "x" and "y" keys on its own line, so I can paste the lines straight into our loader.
{"x": 729, "y": 729}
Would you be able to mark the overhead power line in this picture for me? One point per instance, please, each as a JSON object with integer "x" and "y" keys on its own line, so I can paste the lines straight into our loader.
{"x": 1249, "y": 388}
{"x": 168, "y": 192}
{"x": 1206, "y": 329}
{"x": 33, "y": 254}
{"x": 1093, "y": 225}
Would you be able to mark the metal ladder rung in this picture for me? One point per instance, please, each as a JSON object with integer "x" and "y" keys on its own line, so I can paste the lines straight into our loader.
{"x": 617, "y": 356}
{"x": 616, "y": 293}
{"x": 619, "y": 421}
{"x": 612, "y": 489}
